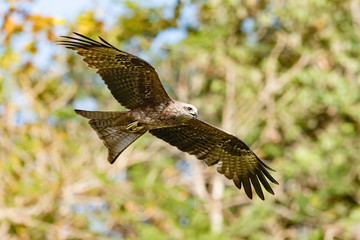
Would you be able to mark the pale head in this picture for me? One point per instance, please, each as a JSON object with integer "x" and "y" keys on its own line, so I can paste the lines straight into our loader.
{"x": 188, "y": 110}
{"x": 181, "y": 110}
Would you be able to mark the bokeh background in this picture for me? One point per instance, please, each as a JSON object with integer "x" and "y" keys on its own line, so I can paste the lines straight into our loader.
{"x": 284, "y": 76}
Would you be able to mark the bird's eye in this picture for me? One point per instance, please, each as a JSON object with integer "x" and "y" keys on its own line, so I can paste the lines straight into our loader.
{"x": 189, "y": 108}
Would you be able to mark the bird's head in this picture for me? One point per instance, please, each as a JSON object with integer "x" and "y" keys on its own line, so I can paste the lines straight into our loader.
{"x": 189, "y": 111}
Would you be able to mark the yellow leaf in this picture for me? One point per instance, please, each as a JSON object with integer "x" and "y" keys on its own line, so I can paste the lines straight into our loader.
{"x": 9, "y": 25}
{"x": 31, "y": 47}
{"x": 50, "y": 35}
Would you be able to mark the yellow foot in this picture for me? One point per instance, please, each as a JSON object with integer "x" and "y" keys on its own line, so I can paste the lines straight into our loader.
{"x": 134, "y": 127}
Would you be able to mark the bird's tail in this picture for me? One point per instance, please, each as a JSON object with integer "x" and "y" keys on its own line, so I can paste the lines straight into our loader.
{"x": 115, "y": 139}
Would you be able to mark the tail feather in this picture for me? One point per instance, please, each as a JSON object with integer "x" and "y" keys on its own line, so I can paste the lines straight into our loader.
{"x": 115, "y": 140}
{"x": 99, "y": 114}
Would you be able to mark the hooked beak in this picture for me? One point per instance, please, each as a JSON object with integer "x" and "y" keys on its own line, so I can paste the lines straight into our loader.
{"x": 195, "y": 115}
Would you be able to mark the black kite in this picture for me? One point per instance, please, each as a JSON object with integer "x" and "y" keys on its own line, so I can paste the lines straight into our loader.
{"x": 136, "y": 85}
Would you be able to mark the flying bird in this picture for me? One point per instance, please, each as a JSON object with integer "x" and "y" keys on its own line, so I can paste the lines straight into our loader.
{"x": 135, "y": 84}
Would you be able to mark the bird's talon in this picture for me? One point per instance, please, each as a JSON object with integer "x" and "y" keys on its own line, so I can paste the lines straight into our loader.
{"x": 134, "y": 127}
{"x": 137, "y": 129}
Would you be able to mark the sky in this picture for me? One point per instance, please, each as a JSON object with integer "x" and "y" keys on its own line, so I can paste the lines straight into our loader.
{"x": 107, "y": 10}
{"x": 61, "y": 9}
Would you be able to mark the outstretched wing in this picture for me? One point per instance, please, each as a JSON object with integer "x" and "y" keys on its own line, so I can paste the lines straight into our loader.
{"x": 132, "y": 81}
{"x": 234, "y": 158}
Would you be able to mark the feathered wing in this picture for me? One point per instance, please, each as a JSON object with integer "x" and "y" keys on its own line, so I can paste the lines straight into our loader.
{"x": 234, "y": 158}
{"x": 132, "y": 81}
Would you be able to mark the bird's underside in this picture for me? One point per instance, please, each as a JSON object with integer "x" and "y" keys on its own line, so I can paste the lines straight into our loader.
{"x": 135, "y": 84}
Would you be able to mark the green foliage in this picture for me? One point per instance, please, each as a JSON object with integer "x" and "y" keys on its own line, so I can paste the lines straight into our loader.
{"x": 283, "y": 76}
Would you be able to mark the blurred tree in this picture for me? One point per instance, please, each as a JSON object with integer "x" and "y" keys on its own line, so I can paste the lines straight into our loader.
{"x": 290, "y": 71}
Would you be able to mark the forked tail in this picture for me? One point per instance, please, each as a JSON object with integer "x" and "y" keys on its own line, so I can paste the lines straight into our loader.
{"x": 114, "y": 139}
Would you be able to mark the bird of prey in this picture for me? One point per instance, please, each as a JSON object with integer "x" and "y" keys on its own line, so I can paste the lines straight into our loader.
{"x": 135, "y": 84}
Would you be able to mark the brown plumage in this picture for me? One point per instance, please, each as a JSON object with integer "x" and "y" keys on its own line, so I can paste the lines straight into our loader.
{"x": 135, "y": 84}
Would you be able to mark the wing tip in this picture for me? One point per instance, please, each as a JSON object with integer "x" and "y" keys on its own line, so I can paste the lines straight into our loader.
{"x": 255, "y": 182}
{"x": 249, "y": 194}
{"x": 80, "y": 41}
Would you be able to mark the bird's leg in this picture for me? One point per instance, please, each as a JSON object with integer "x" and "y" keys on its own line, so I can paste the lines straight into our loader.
{"x": 134, "y": 127}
